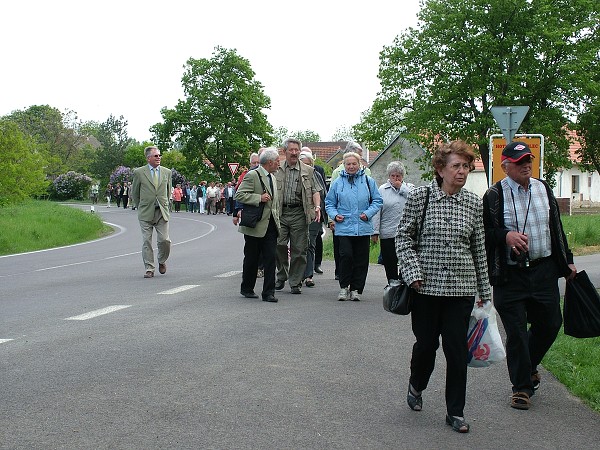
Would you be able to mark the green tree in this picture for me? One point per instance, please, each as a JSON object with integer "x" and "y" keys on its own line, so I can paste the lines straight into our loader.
{"x": 280, "y": 134}
{"x": 22, "y": 175}
{"x": 112, "y": 135}
{"x": 307, "y": 136}
{"x": 57, "y": 134}
{"x": 134, "y": 155}
{"x": 221, "y": 118}
{"x": 589, "y": 137}
{"x": 344, "y": 134}
{"x": 439, "y": 80}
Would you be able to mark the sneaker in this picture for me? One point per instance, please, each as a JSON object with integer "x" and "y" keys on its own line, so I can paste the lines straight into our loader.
{"x": 355, "y": 296}
{"x": 343, "y": 295}
{"x": 536, "y": 379}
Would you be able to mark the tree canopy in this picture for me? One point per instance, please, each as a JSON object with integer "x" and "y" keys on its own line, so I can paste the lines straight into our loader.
{"x": 22, "y": 174}
{"x": 439, "y": 80}
{"x": 221, "y": 118}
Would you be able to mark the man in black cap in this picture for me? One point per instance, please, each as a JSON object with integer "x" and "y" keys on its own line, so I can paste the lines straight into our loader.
{"x": 527, "y": 253}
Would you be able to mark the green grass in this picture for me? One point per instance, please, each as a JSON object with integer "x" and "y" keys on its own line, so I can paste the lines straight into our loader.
{"x": 576, "y": 364}
{"x": 582, "y": 232}
{"x": 38, "y": 224}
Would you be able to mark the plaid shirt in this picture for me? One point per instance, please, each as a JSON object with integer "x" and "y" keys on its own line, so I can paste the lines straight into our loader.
{"x": 451, "y": 256}
{"x": 533, "y": 206}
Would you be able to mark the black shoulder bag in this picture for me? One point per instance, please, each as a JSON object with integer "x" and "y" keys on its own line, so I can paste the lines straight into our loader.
{"x": 251, "y": 214}
{"x": 397, "y": 295}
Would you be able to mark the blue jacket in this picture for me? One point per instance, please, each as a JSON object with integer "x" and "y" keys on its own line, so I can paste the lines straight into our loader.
{"x": 350, "y": 196}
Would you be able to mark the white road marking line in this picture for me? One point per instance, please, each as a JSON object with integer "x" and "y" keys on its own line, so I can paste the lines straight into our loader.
{"x": 229, "y": 274}
{"x": 179, "y": 289}
{"x": 98, "y": 312}
{"x": 2, "y": 341}
{"x": 212, "y": 228}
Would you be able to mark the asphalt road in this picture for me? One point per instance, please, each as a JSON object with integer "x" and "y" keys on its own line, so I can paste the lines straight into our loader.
{"x": 92, "y": 355}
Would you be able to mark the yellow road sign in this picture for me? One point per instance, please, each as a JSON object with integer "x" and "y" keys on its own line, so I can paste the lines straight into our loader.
{"x": 497, "y": 144}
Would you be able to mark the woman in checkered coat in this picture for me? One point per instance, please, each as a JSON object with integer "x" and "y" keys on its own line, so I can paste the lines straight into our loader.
{"x": 447, "y": 269}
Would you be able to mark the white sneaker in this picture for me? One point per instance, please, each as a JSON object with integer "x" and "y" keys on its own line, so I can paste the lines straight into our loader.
{"x": 343, "y": 295}
{"x": 355, "y": 296}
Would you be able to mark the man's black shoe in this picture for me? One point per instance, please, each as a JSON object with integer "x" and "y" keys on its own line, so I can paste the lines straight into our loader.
{"x": 318, "y": 269}
{"x": 296, "y": 290}
{"x": 270, "y": 298}
{"x": 279, "y": 285}
{"x": 250, "y": 294}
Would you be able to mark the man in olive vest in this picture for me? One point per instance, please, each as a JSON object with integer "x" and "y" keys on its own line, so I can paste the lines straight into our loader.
{"x": 299, "y": 201}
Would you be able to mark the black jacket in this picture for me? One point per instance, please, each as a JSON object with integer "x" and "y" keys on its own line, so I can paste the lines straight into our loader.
{"x": 495, "y": 235}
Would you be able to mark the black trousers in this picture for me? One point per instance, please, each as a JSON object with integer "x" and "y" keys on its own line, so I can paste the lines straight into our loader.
{"x": 319, "y": 250}
{"x": 354, "y": 261}
{"x": 448, "y": 317}
{"x": 531, "y": 296}
{"x": 390, "y": 259}
{"x": 336, "y": 252}
{"x": 265, "y": 249}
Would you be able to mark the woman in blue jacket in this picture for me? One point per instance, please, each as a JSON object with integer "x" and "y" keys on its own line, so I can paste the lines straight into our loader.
{"x": 352, "y": 201}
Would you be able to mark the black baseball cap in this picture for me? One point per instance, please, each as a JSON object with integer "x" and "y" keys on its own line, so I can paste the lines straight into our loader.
{"x": 515, "y": 151}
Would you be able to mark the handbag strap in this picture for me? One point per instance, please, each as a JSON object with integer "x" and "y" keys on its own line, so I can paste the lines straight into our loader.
{"x": 261, "y": 183}
{"x": 423, "y": 215}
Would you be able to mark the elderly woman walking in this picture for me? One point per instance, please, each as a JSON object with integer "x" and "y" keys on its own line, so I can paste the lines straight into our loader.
{"x": 394, "y": 193}
{"x": 351, "y": 203}
{"x": 447, "y": 268}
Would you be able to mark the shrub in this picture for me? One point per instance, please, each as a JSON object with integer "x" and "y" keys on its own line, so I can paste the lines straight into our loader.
{"x": 177, "y": 177}
{"x": 121, "y": 175}
{"x": 71, "y": 185}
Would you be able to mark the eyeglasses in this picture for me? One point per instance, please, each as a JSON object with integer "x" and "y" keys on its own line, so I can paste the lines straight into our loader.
{"x": 458, "y": 166}
{"x": 157, "y": 155}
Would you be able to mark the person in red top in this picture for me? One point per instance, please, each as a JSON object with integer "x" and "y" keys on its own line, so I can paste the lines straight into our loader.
{"x": 177, "y": 196}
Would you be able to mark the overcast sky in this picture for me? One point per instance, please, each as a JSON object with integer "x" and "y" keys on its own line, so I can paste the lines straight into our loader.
{"x": 317, "y": 59}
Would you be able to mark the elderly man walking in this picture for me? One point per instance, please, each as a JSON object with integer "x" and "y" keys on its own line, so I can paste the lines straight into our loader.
{"x": 299, "y": 202}
{"x": 150, "y": 193}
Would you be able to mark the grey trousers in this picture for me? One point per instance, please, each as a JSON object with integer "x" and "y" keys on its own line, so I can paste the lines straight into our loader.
{"x": 162, "y": 239}
{"x": 294, "y": 231}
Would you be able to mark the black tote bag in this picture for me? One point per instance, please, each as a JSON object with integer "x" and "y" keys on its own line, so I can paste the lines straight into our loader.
{"x": 251, "y": 214}
{"x": 581, "y": 308}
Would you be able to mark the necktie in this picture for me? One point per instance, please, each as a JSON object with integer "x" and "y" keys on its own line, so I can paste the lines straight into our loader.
{"x": 155, "y": 177}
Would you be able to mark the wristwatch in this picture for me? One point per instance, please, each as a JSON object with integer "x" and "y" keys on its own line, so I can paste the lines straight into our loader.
{"x": 317, "y": 207}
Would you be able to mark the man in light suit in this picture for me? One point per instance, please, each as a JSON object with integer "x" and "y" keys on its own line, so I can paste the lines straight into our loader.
{"x": 262, "y": 239}
{"x": 150, "y": 193}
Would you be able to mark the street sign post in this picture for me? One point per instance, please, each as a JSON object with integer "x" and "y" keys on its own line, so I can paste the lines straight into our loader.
{"x": 497, "y": 144}
{"x": 509, "y": 119}
{"x": 233, "y": 167}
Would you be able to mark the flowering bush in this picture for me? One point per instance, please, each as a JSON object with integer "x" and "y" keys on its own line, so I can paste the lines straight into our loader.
{"x": 71, "y": 185}
{"x": 177, "y": 178}
{"x": 121, "y": 175}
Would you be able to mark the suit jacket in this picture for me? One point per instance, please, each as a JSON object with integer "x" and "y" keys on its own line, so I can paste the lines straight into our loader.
{"x": 145, "y": 196}
{"x": 250, "y": 191}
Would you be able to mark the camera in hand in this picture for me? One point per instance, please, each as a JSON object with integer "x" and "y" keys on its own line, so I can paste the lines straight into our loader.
{"x": 522, "y": 259}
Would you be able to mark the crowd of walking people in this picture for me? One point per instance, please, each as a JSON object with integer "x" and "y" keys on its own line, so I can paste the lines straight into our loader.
{"x": 454, "y": 249}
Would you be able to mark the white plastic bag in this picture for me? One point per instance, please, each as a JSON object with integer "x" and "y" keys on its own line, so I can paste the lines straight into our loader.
{"x": 483, "y": 338}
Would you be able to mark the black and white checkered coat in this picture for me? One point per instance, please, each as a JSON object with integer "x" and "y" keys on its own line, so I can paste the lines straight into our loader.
{"x": 450, "y": 258}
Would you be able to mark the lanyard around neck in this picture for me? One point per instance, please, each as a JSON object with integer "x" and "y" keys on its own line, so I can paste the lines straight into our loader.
{"x": 515, "y": 210}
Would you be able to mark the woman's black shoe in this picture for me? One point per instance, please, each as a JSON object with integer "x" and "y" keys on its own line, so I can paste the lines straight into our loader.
{"x": 458, "y": 424}
{"x": 415, "y": 402}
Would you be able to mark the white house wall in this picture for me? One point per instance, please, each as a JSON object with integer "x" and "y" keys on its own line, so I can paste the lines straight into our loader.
{"x": 588, "y": 190}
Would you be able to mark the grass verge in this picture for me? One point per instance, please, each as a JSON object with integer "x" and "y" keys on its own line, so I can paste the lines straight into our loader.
{"x": 38, "y": 224}
{"x": 576, "y": 364}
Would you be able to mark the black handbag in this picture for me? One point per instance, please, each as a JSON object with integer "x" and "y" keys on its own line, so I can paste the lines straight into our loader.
{"x": 251, "y": 214}
{"x": 581, "y": 307}
{"x": 397, "y": 295}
